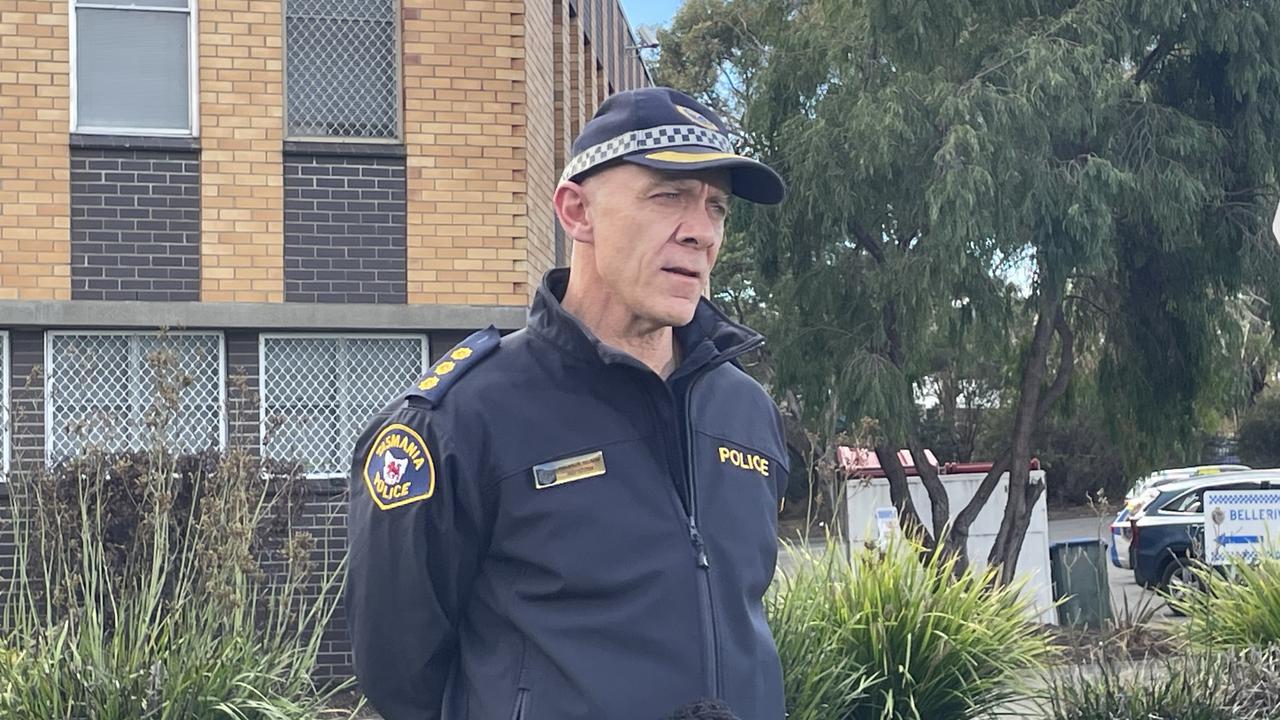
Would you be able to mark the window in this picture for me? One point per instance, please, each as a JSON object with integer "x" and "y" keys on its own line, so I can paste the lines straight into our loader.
{"x": 342, "y": 72}
{"x": 133, "y": 67}
{"x": 117, "y": 391}
{"x": 1192, "y": 501}
{"x": 1187, "y": 503}
{"x": 319, "y": 391}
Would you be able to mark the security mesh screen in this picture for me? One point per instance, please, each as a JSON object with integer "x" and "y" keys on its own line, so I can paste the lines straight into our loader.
{"x": 318, "y": 393}
{"x": 113, "y": 392}
{"x": 341, "y": 68}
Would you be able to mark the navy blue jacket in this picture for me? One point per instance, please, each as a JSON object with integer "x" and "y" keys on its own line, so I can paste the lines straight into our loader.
{"x": 547, "y": 530}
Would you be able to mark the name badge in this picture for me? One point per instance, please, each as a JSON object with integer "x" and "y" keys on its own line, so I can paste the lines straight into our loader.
{"x": 563, "y": 472}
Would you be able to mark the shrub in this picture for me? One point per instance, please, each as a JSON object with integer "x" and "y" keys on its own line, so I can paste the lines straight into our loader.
{"x": 820, "y": 680}
{"x": 150, "y": 586}
{"x": 139, "y": 593}
{"x": 1239, "y": 608}
{"x": 896, "y": 634}
{"x": 1239, "y": 685}
{"x": 1259, "y": 434}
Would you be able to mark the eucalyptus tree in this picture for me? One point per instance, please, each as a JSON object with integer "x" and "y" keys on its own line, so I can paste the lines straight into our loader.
{"x": 998, "y": 177}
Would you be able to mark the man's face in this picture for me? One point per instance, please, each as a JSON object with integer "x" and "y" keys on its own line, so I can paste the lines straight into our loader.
{"x": 656, "y": 237}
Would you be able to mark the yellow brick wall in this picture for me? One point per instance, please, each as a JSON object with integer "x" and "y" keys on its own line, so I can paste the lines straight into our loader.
{"x": 560, "y": 71}
{"x": 577, "y": 103}
{"x": 541, "y": 134}
{"x": 602, "y": 84}
{"x": 35, "y": 118}
{"x": 464, "y": 137}
{"x": 242, "y": 129}
{"x": 588, "y": 88}
{"x": 485, "y": 141}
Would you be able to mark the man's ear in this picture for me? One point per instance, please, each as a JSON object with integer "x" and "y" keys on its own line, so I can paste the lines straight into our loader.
{"x": 570, "y": 201}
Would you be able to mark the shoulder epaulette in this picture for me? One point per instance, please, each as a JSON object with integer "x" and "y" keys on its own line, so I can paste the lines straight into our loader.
{"x": 455, "y": 364}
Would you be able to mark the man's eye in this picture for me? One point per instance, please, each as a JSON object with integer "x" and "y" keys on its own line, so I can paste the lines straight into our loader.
{"x": 667, "y": 195}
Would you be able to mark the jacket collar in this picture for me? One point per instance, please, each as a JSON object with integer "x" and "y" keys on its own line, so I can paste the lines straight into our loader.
{"x": 710, "y": 338}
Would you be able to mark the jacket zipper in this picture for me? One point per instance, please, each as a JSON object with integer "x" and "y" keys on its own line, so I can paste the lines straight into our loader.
{"x": 522, "y": 698}
{"x": 710, "y": 631}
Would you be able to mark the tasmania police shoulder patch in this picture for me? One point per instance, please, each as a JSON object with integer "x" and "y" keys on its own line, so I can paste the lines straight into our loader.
{"x": 399, "y": 469}
{"x": 455, "y": 364}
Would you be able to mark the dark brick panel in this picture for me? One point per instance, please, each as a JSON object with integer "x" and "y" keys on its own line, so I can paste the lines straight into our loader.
{"x": 26, "y": 405}
{"x": 135, "y": 224}
{"x": 243, "y": 402}
{"x": 442, "y": 342}
{"x": 325, "y": 519}
{"x": 322, "y": 517}
{"x": 344, "y": 229}
{"x": 26, "y": 401}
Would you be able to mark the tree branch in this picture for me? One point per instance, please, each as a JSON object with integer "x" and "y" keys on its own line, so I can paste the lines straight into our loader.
{"x": 1066, "y": 363}
{"x": 867, "y": 242}
{"x": 980, "y": 497}
{"x": 897, "y": 355}
{"x": 1153, "y": 58}
{"x": 1089, "y": 302}
{"x": 990, "y": 70}
{"x": 900, "y": 496}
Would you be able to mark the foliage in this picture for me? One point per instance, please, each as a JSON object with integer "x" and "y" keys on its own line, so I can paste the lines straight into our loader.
{"x": 1242, "y": 685}
{"x": 165, "y": 611}
{"x": 149, "y": 586}
{"x": 1006, "y": 179}
{"x": 884, "y": 636}
{"x": 1240, "y": 605}
{"x": 1260, "y": 434}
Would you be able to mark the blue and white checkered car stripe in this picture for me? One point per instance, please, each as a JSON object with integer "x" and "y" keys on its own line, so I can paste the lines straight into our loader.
{"x": 654, "y": 138}
{"x": 1240, "y": 497}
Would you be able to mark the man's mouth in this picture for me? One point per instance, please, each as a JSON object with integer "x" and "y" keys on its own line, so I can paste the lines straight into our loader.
{"x": 684, "y": 272}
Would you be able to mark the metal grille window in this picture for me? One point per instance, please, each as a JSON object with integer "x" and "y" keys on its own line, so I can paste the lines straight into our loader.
{"x": 318, "y": 391}
{"x": 133, "y": 67}
{"x": 118, "y": 391}
{"x": 342, "y": 69}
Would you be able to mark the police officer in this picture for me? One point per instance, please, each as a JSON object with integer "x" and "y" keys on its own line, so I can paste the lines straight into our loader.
{"x": 578, "y": 521}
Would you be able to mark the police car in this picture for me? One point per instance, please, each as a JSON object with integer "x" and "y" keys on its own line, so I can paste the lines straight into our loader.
{"x": 1142, "y": 493}
{"x": 1167, "y": 534}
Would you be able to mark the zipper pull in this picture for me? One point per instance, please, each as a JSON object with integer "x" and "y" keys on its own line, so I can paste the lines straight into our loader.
{"x": 699, "y": 545}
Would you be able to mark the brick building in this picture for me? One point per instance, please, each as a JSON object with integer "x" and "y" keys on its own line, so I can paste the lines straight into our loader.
{"x": 315, "y": 198}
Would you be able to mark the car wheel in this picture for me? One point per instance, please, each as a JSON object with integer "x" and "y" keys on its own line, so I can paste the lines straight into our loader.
{"x": 1180, "y": 581}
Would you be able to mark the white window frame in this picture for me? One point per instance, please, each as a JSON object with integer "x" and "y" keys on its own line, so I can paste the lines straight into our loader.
{"x": 6, "y": 408}
{"x": 222, "y": 374}
{"x": 425, "y": 363}
{"x": 193, "y": 71}
{"x": 396, "y": 139}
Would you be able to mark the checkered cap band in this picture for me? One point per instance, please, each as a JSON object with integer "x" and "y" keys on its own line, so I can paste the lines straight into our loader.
{"x": 653, "y": 138}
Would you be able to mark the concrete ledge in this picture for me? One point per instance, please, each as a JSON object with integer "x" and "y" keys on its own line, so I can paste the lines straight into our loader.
{"x": 344, "y": 149}
{"x": 134, "y": 142}
{"x": 256, "y": 316}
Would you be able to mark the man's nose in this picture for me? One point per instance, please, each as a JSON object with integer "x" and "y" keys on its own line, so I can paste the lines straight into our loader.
{"x": 699, "y": 225}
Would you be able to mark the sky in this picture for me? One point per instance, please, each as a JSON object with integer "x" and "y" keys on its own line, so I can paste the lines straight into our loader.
{"x": 650, "y": 12}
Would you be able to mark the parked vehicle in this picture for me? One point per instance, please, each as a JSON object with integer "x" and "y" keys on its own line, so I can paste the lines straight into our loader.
{"x": 1143, "y": 491}
{"x": 1167, "y": 533}
{"x": 1162, "y": 477}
